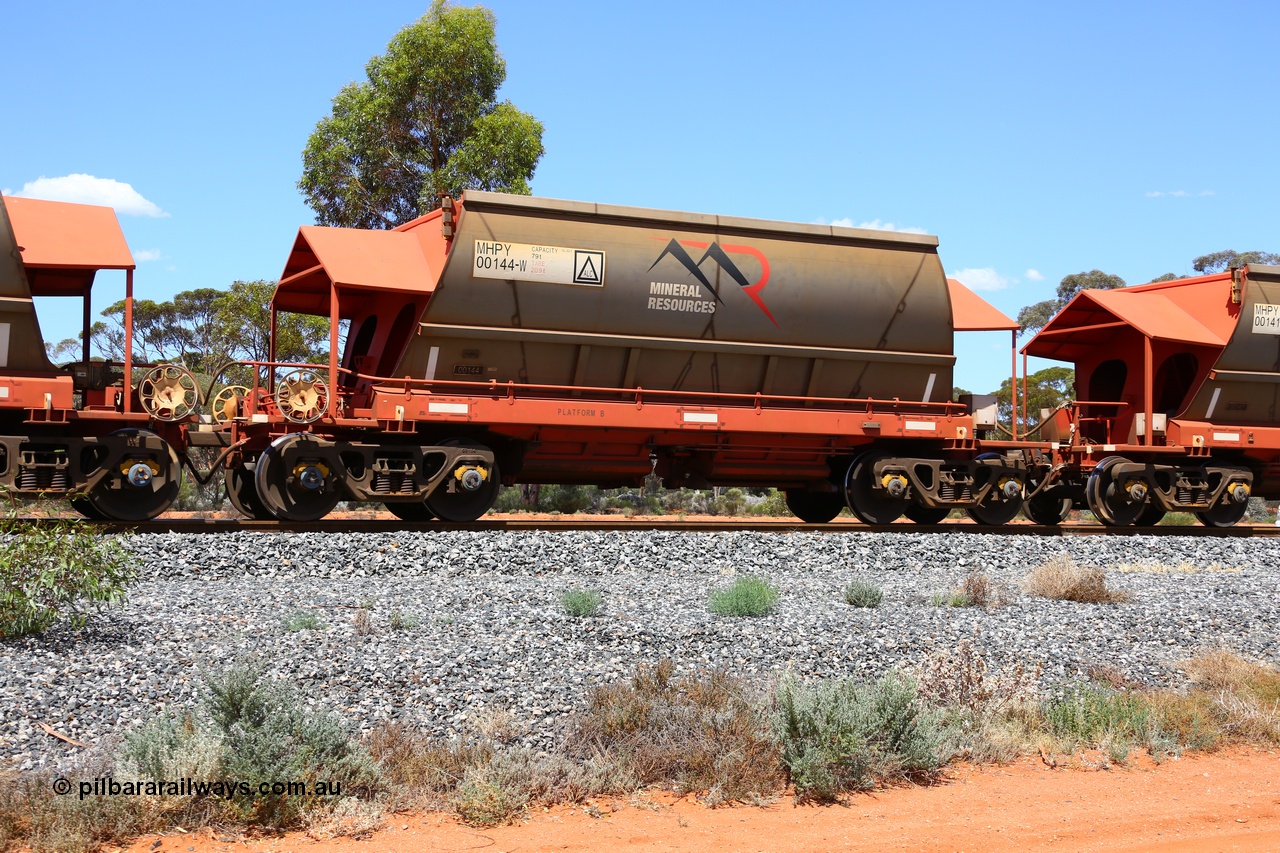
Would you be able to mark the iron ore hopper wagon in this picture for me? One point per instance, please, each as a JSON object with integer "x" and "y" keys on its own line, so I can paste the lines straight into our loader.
{"x": 507, "y": 338}
{"x": 511, "y": 339}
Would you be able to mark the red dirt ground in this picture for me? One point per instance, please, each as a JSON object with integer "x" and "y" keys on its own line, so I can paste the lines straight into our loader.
{"x": 1226, "y": 801}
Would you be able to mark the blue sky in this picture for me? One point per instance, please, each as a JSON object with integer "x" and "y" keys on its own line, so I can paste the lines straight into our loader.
{"x": 1036, "y": 140}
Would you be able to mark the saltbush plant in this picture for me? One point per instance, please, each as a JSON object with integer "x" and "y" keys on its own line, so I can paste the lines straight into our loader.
{"x": 56, "y": 569}
{"x": 581, "y": 603}
{"x": 749, "y": 595}
{"x": 304, "y": 620}
{"x": 250, "y": 729}
{"x": 863, "y": 594}
{"x": 841, "y": 736}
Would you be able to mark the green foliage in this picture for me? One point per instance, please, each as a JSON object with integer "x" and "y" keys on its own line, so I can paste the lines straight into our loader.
{"x": 426, "y": 122}
{"x": 862, "y": 594}
{"x": 1092, "y": 715}
{"x": 841, "y": 736}
{"x": 581, "y": 603}
{"x": 1046, "y": 389}
{"x": 482, "y": 801}
{"x": 252, "y": 731}
{"x": 304, "y": 620}
{"x": 59, "y": 568}
{"x": 397, "y": 620}
{"x": 1034, "y": 317}
{"x": 773, "y": 505}
{"x": 1221, "y": 261}
{"x": 747, "y": 596}
{"x": 207, "y": 328}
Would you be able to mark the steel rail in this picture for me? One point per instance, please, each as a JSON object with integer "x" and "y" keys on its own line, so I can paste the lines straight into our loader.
{"x": 392, "y": 525}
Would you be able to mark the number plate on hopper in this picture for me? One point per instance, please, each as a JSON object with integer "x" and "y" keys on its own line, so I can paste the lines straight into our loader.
{"x": 527, "y": 262}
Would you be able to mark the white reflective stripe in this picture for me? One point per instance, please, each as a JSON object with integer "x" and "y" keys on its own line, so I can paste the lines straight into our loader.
{"x": 431, "y": 363}
{"x": 4, "y": 392}
{"x": 928, "y": 389}
{"x": 1213, "y": 402}
{"x": 4, "y": 344}
{"x": 1108, "y": 448}
{"x": 701, "y": 417}
{"x": 1226, "y": 436}
{"x": 922, "y": 426}
{"x": 447, "y": 408}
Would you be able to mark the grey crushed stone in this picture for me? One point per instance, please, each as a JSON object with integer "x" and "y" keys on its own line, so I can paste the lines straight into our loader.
{"x": 491, "y": 634}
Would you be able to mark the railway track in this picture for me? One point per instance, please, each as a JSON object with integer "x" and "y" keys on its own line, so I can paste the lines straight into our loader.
{"x": 391, "y": 525}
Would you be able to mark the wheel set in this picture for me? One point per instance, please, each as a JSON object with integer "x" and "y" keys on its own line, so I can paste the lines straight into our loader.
{"x": 301, "y": 478}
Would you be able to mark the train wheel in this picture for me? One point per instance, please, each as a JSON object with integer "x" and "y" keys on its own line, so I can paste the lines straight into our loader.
{"x": 1107, "y": 500}
{"x": 143, "y": 477}
{"x": 1223, "y": 514}
{"x": 303, "y": 489}
{"x": 927, "y": 514}
{"x": 467, "y": 492}
{"x": 997, "y": 507}
{"x": 413, "y": 511}
{"x": 869, "y": 505}
{"x": 82, "y": 505}
{"x": 1151, "y": 515}
{"x": 814, "y": 507}
{"x": 243, "y": 494}
{"x": 1046, "y": 509}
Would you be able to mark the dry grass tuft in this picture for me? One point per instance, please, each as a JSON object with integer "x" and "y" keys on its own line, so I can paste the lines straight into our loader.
{"x": 698, "y": 734}
{"x": 1183, "y": 568}
{"x": 959, "y": 678}
{"x": 1061, "y": 578}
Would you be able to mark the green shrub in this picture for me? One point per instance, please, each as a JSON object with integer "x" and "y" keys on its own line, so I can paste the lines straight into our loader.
{"x": 773, "y": 505}
{"x": 840, "y": 736}
{"x": 304, "y": 620}
{"x": 747, "y": 596}
{"x": 268, "y": 734}
{"x": 482, "y": 801}
{"x": 56, "y": 569}
{"x": 863, "y": 594}
{"x": 581, "y": 602}
{"x": 1094, "y": 715}
{"x": 401, "y": 621}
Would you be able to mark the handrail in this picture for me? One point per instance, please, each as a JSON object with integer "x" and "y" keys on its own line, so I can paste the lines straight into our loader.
{"x": 508, "y": 389}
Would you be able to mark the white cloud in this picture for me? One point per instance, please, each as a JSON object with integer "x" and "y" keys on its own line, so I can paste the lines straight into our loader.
{"x": 143, "y": 255}
{"x": 985, "y": 278}
{"x": 1034, "y": 275}
{"x": 87, "y": 189}
{"x": 874, "y": 225}
{"x": 1177, "y": 193}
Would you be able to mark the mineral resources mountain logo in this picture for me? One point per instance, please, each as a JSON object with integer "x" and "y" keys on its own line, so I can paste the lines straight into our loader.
{"x": 661, "y": 293}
